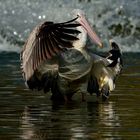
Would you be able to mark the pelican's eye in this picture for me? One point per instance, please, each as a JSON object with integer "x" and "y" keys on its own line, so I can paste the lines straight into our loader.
{"x": 78, "y": 15}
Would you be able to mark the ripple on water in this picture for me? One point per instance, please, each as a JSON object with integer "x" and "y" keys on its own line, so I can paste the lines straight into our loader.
{"x": 29, "y": 115}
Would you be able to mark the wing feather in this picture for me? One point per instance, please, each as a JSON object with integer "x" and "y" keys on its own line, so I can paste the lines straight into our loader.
{"x": 50, "y": 47}
{"x": 62, "y": 43}
{"x": 45, "y": 41}
{"x": 65, "y": 36}
{"x": 69, "y": 31}
{"x": 54, "y": 44}
{"x": 68, "y": 25}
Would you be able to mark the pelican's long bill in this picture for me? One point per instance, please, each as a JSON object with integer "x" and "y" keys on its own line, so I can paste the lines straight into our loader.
{"x": 81, "y": 19}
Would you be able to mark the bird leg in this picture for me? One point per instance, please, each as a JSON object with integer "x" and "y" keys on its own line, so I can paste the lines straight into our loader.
{"x": 98, "y": 93}
{"x": 69, "y": 96}
{"x": 105, "y": 92}
{"x": 83, "y": 96}
{"x": 66, "y": 99}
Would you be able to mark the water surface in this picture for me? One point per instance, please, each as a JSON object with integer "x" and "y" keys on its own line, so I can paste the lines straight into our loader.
{"x": 26, "y": 115}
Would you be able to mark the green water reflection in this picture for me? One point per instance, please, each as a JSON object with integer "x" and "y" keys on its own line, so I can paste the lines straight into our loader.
{"x": 25, "y": 115}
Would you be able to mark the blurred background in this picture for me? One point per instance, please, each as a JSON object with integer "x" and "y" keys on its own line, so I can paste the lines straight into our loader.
{"x": 118, "y": 20}
{"x": 28, "y": 115}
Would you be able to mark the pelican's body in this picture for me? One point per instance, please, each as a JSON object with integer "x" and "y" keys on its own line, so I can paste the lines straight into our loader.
{"x": 47, "y": 65}
{"x": 69, "y": 76}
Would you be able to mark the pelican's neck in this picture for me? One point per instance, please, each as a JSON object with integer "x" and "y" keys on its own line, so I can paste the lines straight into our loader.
{"x": 81, "y": 43}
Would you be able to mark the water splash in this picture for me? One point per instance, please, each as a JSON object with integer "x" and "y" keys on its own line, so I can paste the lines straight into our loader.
{"x": 6, "y": 46}
{"x": 118, "y": 20}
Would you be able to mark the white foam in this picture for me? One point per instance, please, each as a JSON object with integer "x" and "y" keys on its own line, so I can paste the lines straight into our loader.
{"x": 6, "y": 46}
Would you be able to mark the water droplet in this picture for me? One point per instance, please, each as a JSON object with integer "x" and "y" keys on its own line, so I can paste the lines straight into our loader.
{"x": 28, "y": 3}
{"x": 15, "y": 33}
{"x": 34, "y": 14}
{"x": 43, "y": 16}
{"x": 13, "y": 11}
{"x": 39, "y": 17}
{"x": 5, "y": 12}
{"x": 121, "y": 6}
{"x": 130, "y": 19}
{"x": 25, "y": 21}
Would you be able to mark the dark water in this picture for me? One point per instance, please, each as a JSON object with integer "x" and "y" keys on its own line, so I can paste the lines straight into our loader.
{"x": 25, "y": 115}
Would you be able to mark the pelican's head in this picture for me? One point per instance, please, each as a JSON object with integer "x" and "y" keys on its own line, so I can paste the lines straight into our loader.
{"x": 86, "y": 27}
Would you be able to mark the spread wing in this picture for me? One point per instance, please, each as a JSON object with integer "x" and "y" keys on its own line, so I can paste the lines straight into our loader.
{"x": 104, "y": 72}
{"x": 45, "y": 41}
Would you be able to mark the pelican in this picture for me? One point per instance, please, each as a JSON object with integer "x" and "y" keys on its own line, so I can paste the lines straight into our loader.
{"x": 105, "y": 71}
{"x": 54, "y": 58}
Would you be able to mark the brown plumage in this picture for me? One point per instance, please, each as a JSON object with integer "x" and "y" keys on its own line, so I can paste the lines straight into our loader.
{"x": 45, "y": 41}
{"x": 54, "y": 57}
